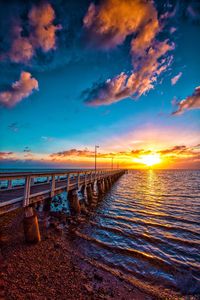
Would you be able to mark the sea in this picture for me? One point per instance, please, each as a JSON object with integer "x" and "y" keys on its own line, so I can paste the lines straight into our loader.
{"x": 147, "y": 229}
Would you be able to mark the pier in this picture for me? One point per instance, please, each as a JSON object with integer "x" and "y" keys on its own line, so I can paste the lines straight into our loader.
{"x": 32, "y": 191}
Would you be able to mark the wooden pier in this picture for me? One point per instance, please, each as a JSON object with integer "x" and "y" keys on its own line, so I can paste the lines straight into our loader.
{"x": 33, "y": 191}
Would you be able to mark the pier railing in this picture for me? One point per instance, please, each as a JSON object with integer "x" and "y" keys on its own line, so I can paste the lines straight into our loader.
{"x": 32, "y": 189}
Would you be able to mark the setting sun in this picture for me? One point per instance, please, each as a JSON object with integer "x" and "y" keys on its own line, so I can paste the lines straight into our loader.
{"x": 149, "y": 159}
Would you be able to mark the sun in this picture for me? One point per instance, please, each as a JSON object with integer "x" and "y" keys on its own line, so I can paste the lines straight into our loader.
{"x": 150, "y": 159}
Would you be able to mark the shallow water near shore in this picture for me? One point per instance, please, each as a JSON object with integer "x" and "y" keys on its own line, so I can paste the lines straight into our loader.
{"x": 147, "y": 228}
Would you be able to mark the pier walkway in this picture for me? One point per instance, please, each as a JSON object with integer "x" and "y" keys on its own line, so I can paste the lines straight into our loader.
{"x": 36, "y": 187}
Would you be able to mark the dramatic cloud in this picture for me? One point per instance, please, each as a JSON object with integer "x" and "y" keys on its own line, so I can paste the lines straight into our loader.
{"x": 108, "y": 92}
{"x": 191, "y": 102}
{"x": 107, "y": 25}
{"x": 43, "y": 31}
{"x": 147, "y": 70}
{"x": 175, "y": 79}
{"x": 40, "y": 33}
{"x": 19, "y": 90}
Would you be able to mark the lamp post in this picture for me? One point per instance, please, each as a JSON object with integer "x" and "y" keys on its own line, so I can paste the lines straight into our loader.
{"x": 95, "y": 157}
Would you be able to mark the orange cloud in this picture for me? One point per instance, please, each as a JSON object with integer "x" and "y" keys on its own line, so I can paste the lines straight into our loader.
{"x": 179, "y": 156}
{"x": 107, "y": 25}
{"x": 19, "y": 90}
{"x": 147, "y": 69}
{"x": 21, "y": 50}
{"x": 191, "y": 102}
{"x": 43, "y": 31}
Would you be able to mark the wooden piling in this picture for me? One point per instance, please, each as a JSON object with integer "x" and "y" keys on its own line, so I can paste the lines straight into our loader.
{"x": 89, "y": 191}
{"x": 31, "y": 227}
{"x": 74, "y": 202}
{"x": 99, "y": 186}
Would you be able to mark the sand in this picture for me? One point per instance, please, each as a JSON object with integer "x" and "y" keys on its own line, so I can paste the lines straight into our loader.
{"x": 52, "y": 269}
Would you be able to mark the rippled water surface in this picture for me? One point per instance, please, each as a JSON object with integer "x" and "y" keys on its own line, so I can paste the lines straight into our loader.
{"x": 148, "y": 228}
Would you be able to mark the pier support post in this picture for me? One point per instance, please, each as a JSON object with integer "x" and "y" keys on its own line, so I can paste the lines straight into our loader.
{"x": 83, "y": 202}
{"x": 74, "y": 202}
{"x": 109, "y": 182}
{"x": 89, "y": 191}
{"x": 31, "y": 227}
{"x": 47, "y": 205}
{"x": 100, "y": 188}
{"x": 106, "y": 184}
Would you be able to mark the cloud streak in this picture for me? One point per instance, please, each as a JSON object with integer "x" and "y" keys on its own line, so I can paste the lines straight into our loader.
{"x": 189, "y": 103}
{"x": 107, "y": 25}
{"x": 176, "y": 78}
{"x": 19, "y": 90}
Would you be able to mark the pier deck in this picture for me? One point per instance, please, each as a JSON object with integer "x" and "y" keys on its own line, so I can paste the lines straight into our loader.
{"x": 32, "y": 191}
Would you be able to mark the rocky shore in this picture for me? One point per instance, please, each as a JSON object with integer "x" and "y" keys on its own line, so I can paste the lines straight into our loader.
{"x": 52, "y": 269}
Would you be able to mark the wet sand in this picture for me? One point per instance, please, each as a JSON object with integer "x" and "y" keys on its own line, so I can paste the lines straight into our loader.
{"x": 52, "y": 269}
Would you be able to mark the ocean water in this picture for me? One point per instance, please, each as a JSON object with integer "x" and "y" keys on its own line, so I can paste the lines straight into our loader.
{"x": 147, "y": 228}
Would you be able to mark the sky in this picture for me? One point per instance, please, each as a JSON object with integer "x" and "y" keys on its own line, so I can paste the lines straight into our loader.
{"x": 120, "y": 74}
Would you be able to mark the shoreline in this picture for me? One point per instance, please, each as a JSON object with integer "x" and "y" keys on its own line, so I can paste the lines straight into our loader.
{"x": 53, "y": 269}
{"x": 50, "y": 270}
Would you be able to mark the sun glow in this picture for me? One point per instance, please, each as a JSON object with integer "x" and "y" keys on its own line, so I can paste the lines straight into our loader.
{"x": 149, "y": 159}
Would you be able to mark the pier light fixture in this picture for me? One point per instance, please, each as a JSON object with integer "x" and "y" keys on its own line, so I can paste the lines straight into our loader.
{"x": 95, "y": 157}
{"x": 112, "y": 158}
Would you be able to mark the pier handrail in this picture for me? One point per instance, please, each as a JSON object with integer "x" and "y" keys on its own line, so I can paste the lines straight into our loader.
{"x": 17, "y": 175}
{"x": 15, "y": 196}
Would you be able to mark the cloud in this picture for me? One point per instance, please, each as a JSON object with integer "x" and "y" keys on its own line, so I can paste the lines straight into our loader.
{"x": 72, "y": 153}
{"x": 21, "y": 50}
{"x": 107, "y": 25}
{"x": 193, "y": 11}
{"x": 191, "y": 102}
{"x": 107, "y": 92}
{"x": 5, "y": 155}
{"x": 38, "y": 32}
{"x": 27, "y": 149}
{"x": 180, "y": 156}
{"x": 175, "y": 149}
{"x": 43, "y": 33}
{"x": 175, "y": 79}
{"x": 19, "y": 90}
{"x": 47, "y": 138}
{"x": 139, "y": 82}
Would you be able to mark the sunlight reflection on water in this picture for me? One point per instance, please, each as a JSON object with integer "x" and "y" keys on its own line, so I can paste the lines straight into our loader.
{"x": 148, "y": 226}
